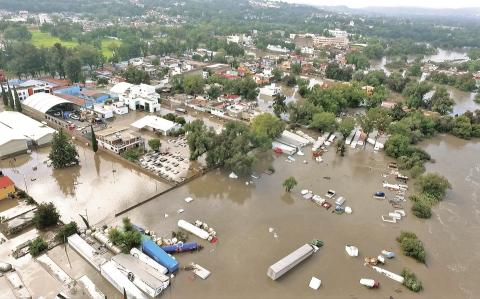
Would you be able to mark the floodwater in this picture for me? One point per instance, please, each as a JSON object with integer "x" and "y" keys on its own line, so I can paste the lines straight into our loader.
{"x": 464, "y": 100}
{"x": 447, "y": 55}
{"x": 242, "y": 215}
{"x": 455, "y": 226}
{"x": 99, "y": 187}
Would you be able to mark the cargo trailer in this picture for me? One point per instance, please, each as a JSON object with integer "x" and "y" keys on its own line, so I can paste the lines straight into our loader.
{"x": 111, "y": 272}
{"x": 86, "y": 251}
{"x": 154, "y": 251}
{"x": 284, "y": 265}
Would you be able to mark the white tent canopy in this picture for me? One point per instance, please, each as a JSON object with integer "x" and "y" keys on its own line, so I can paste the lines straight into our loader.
{"x": 43, "y": 102}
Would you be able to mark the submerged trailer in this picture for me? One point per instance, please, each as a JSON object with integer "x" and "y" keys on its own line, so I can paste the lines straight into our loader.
{"x": 193, "y": 229}
{"x": 182, "y": 247}
{"x": 154, "y": 251}
{"x": 86, "y": 251}
{"x": 284, "y": 265}
{"x": 284, "y": 148}
{"x": 120, "y": 281}
{"x": 143, "y": 277}
{"x": 102, "y": 238}
{"x": 148, "y": 261}
{"x": 90, "y": 288}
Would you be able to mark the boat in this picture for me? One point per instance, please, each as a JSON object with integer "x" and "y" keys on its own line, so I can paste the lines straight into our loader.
{"x": 388, "y": 254}
{"x": 379, "y": 195}
{"x": 287, "y": 263}
{"x": 370, "y": 283}
{"x": 389, "y": 274}
{"x": 351, "y": 250}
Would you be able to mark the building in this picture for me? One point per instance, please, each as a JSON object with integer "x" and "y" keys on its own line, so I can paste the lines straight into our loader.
{"x": 37, "y": 132}
{"x": 7, "y": 187}
{"x": 118, "y": 140}
{"x": 11, "y": 142}
{"x": 141, "y": 96}
{"x": 276, "y": 48}
{"x": 156, "y": 124}
{"x": 323, "y": 41}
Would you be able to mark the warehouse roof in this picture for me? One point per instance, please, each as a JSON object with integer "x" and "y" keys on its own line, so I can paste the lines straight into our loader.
{"x": 43, "y": 101}
{"x": 24, "y": 125}
{"x": 155, "y": 122}
{"x": 7, "y": 134}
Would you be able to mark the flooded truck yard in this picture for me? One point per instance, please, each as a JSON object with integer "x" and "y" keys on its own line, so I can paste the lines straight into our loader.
{"x": 244, "y": 216}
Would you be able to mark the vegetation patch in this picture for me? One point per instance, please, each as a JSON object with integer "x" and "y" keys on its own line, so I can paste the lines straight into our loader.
{"x": 412, "y": 246}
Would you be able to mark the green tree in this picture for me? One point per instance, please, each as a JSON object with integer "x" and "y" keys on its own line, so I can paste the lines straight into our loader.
{"x": 63, "y": 153}
{"x": 89, "y": 55}
{"x": 380, "y": 118}
{"x": 132, "y": 154}
{"x": 154, "y": 144}
{"x": 397, "y": 82}
{"x": 66, "y": 231}
{"x": 37, "y": 247}
{"x": 267, "y": 125}
{"x": 193, "y": 84}
{"x": 434, "y": 185}
{"x": 18, "y": 105}
{"x": 358, "y": 59}
{"x": 289, "y": 183}
{"x": 341, "y": 148}
{"x": 296, "y": 68}
{"x": 11, "y": 98}
{"x": 422, "y": 209}
{"x": 462, "y": 127}
{"x": 279, "y": 104}
{"x": 127, "y": 238}
{"x": 4, "y": 96}
{"x": 277, "y": 75}
{"x": 441, "y": 101}
{"x": 346, "y": 126}
{"x": 94, "y": 140}
{"x": 397, "y": 145}
{"x": 135, "y": 76}
{"x": 324, "y": 121}
{"x": 410, "y": 281}
{"x": 45, "y": 215}
{"x": 73, "y": 69}
{"x": 17, "y": 32}
{"x": 412, "y": 246}
{"x": 214, "y": 92}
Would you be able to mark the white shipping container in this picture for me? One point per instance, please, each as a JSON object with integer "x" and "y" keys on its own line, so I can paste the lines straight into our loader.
{"x": 193, "y": 229}
{"x": 110, "y": 272}
{"x": 148, "y": 261}
{"x": 92, "y": 290}
{"x": 143, "y": 277}
{"x": 86, "y": 251}
{"x": 281, "y": 267}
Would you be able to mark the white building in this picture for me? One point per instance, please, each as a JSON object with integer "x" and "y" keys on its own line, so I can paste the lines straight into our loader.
{"x": 276, "y": 48}
{"x": 21, "y": 124}
{"x": 141, "y": 96}
{"x": 118, "y": 140}
{"x": 103, "y": 111}
{"x": 156, "y": 124}
{"x": 338, "y": 33}
{"x": 306, "y": 50}
{"x": 11, "y": 142}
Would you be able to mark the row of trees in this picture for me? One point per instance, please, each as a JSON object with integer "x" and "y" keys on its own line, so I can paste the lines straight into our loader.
{"x": 463, "y": 82}
{"x": 10, "y": 98}
{"x": 23, "y": 59}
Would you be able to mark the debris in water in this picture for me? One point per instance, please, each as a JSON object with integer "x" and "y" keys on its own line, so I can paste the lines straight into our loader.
{"x": 315, "y": 283}
{"x": 275, "y": 235}
{"x": 270, "y": 229}
{"x": 180, "y": 211}
{"x": 166, "y": 215}
{"x": 188, "y": 199}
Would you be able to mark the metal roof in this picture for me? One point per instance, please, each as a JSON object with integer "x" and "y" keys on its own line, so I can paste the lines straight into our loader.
{"x": 43, "y": 102}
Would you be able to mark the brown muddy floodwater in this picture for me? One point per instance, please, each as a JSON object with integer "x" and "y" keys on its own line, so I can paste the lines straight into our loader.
{"x": 99, "y": 187}
{"x": 242, "y": 215}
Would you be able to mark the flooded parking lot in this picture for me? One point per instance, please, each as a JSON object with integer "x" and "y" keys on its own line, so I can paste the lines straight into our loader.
{"x": 99, "y": 187}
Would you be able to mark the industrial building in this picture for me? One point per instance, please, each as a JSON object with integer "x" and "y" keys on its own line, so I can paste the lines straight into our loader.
{"x": 38, "y": 133}
{"x": 11, "y": 142}
{"x": 156, "y": 124}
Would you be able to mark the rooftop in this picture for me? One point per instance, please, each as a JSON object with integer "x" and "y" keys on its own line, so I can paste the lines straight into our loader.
{"x": 5, "y": 181}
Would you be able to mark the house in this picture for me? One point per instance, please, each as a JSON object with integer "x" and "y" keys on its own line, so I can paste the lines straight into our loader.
{"x": 7, "y": 186}
{"x": 141, "y": 96}
{"x": 156, "y": 124}
{"x": 119, "y": 140}
{"x": 388, "y": 104}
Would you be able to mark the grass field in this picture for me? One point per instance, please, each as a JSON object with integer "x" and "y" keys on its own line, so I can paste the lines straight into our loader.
{"x": 106, "y": 44}
{"x": 44, "y": 39}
